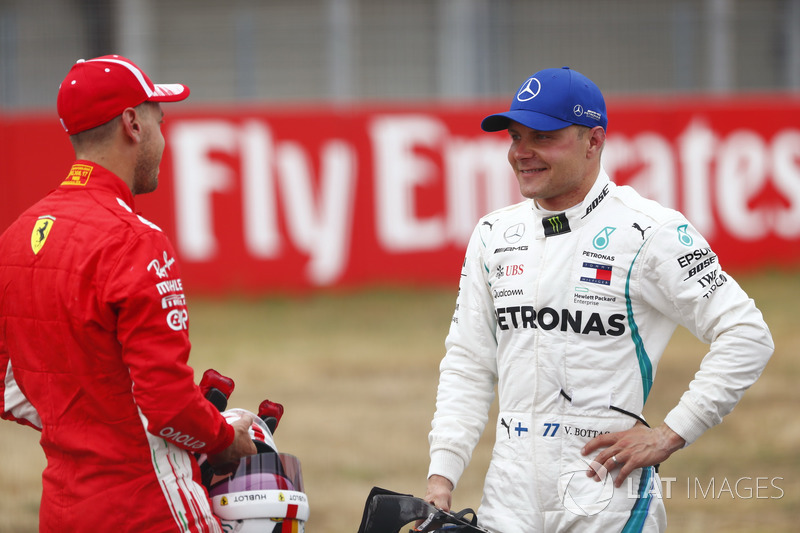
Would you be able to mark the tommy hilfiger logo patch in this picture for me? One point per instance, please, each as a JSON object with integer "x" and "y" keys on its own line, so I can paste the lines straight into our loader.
{"x": 597, "y": 273}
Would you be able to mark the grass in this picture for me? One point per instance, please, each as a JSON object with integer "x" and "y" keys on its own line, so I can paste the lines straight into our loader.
{"x": 357, "y": 373}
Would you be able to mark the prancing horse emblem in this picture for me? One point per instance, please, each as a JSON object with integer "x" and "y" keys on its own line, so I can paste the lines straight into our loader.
{"x": 40, "y": 232}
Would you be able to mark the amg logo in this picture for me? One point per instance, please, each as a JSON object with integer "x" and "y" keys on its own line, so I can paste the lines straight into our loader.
{"x": 510, "y": 249}
{"x": 547, "y": 318}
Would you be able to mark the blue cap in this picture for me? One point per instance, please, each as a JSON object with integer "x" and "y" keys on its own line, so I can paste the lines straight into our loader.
{"x": 552, "y": 99}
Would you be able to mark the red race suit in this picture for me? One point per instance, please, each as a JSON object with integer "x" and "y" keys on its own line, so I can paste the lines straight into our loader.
{"x": 94, "y": 347}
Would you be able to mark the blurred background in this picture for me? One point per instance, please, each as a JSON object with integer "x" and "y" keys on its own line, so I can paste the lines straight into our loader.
{"x": 356, "y": 50}
{"x": 353, "y": 351}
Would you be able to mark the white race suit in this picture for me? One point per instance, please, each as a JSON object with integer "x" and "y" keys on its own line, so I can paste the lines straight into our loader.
{"x": 568, "y": 315}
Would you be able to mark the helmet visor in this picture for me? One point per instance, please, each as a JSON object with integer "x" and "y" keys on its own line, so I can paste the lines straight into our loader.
{"x": 263, "y": 471}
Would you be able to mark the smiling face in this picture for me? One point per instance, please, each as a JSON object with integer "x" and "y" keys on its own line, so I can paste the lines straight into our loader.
{"x": 556, "y": 168}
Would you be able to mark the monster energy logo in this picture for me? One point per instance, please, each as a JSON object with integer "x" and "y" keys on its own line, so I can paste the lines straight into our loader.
{"x": 556, "y": 225}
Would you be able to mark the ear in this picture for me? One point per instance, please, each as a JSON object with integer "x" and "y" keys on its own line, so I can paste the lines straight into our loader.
{"x": 132, "y": 124}
{"x": 597, "y": 139}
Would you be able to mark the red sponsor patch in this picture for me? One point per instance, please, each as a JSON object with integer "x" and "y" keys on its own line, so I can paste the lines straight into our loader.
{"x": 78, "y": 175}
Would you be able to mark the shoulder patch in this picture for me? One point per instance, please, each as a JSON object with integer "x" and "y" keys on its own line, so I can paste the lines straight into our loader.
{"x": 40, "y": 232}
{"x": 78, "y": 175}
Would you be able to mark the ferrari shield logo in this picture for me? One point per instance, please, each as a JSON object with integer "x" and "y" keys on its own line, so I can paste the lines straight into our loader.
{"x": 40, "y": 232}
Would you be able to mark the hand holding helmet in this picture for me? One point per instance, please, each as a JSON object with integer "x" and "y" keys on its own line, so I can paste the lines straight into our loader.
{"x": 253, "y": 488}
{"x": 242, "y": 446}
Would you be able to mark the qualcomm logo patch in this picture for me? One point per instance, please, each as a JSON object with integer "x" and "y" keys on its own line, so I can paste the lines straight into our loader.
{"x": 529, "y": 90}
{"x": 582, "y": 495}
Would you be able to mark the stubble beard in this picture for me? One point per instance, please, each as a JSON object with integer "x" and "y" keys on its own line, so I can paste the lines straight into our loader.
{"x": 145, "y": 172}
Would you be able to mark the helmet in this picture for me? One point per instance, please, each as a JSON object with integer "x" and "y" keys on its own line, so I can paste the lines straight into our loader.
{"x": 263, "y": 495}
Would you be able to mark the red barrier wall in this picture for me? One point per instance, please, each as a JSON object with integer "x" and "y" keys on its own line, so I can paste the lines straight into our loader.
{"x": 270, "y": 199}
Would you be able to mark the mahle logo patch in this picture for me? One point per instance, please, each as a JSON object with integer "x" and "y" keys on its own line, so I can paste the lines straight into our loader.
{"x": 40, "y": 232}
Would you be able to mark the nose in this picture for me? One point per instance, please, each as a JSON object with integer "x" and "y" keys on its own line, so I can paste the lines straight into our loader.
{"x": 521, "y": 150}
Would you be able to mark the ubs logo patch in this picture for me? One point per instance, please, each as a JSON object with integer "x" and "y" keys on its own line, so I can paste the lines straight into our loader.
{"x": 510, "y": 270}
{"x": 41, "y": 230}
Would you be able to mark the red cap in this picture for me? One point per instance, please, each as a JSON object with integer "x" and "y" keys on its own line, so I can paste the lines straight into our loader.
{"x": 99, "y": 89}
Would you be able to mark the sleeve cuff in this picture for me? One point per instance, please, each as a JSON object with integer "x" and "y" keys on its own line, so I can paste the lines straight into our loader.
{"x": 685, "y": 423}
{"x": 229, "y": 435}
{"x": 447, "y": 464}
